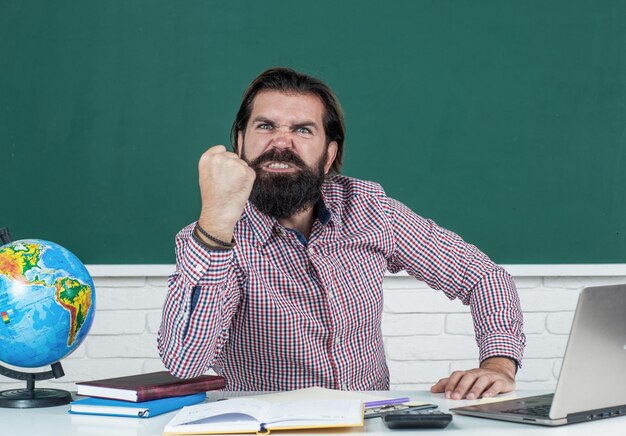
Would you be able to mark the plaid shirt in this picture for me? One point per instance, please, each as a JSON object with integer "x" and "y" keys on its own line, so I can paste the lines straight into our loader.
{"x": 278, "y": 312}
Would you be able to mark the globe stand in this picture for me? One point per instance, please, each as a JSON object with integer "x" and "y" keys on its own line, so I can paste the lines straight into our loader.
{"x": 30, "y": 397}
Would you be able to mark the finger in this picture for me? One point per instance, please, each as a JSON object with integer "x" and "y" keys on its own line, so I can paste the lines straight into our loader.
{"x": 231, "y": 155}
{"x": 479, "y": 386}
{"x": 438, "y": 387}
{"x": 453, "y": 380}
{"x": 216, "y": 149}
{"x": 251, "y": 171}
{"x": 498, "y": 387}
{"x": 241, "y": 163}
{"x": 219, "y": 156}
{"x": 225, "y": 155}
{"x": 464, "y": 385}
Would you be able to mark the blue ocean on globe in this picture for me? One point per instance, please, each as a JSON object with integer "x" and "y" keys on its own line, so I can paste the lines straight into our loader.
{"x": 47, "y": 303}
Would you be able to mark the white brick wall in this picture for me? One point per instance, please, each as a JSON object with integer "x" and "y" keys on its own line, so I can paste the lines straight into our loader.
{"x": 426, "y": 335}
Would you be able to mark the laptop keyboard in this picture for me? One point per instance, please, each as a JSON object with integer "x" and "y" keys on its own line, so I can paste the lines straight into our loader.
{"x": 542, "y": 410}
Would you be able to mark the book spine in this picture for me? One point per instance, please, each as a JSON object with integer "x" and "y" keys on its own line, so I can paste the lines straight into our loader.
{"x": 156, "y": 392}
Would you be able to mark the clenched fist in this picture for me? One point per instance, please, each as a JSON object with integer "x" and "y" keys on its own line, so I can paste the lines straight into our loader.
{"x": 225, "y": 185}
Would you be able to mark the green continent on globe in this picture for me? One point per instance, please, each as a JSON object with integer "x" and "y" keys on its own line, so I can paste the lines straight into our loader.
{"x": 75, "y": 297}
{"x": 16, "y": 263}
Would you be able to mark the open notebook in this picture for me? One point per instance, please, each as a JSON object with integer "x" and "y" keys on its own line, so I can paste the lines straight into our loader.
{"x": 252, "y": 415}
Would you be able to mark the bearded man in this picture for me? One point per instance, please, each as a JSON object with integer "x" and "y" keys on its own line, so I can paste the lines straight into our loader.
{"x": 278, "y": 284}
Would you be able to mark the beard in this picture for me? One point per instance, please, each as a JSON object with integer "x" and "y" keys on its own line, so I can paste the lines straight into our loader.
{"x": 284, "y": 195}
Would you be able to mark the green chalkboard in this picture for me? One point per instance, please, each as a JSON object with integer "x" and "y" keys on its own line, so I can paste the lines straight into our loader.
{"x": 504, "y": 121}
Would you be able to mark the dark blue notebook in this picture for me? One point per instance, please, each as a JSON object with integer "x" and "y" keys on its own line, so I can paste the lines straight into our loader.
{"x": 145, "y": 409}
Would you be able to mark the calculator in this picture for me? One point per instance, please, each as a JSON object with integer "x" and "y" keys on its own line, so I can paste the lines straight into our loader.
{"x": 431, "y": 418}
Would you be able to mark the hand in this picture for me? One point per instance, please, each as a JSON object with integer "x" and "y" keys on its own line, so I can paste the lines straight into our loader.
{"x": 225, "y": 185}
{"x": 495, "y": 375}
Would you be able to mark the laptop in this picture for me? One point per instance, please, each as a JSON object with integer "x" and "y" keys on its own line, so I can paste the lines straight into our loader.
{"x": 592, "y": 382}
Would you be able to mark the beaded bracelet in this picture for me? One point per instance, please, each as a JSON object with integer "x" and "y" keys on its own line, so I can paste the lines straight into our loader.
{"x": 213, "y": 238}
{"x": 201, "y": 241}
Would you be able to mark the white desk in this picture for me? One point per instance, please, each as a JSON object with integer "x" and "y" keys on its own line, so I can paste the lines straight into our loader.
{"x": 53, "y": 421}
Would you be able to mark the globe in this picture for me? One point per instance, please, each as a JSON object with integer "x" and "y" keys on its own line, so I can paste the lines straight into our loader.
{"x": 47, "y": 303}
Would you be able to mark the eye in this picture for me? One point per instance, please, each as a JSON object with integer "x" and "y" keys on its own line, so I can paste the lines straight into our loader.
{"x": 264, "y": 126}
{"x": 304, "y": 130}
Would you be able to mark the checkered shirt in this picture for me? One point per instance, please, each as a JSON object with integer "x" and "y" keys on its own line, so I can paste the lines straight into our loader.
{"x": 278, "y": 312}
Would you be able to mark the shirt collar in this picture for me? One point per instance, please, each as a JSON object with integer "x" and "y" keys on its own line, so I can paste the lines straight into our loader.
{"x": 322, "y": 213}
{"x": 331, "y": 205}
{"x": 264, "y": 226}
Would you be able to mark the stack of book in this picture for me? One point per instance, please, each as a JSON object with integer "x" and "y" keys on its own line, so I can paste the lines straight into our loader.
{"x": 142, "y": 395}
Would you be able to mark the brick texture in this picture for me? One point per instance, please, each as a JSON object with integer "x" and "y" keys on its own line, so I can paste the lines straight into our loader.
{"x": 426, "y": 335}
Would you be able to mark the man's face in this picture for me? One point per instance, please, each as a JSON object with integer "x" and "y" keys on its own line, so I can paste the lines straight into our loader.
{"x": 285, "y": 144}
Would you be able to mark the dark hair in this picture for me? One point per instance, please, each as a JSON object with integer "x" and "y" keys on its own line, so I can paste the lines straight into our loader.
{"x": 290, "y": 81}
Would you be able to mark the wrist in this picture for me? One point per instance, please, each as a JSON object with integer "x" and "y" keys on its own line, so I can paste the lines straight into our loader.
{"x": 207, "y": 242}
{"x": 206, "y": 235}
{"x": 503, "y": 365}
{"x": 221, "y": 231}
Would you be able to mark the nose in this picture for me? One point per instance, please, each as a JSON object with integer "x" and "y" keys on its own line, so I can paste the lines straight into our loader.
{"x": 282, "y": 139}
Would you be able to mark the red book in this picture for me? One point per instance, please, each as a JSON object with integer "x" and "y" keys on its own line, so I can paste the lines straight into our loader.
{"x": 150, "y": 386}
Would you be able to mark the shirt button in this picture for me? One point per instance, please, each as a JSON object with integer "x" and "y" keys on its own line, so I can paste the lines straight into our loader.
{"x": 198, "y": 268}
{"x": 337, "y": 340}
{"x": 344, "y": 387}
{"x": 311, "y": 250}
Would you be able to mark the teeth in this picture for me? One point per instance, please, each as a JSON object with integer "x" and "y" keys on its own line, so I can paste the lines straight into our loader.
{"x": 278, "y": 166}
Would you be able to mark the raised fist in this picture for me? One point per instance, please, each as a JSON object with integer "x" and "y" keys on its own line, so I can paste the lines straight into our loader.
{"x": 225, "y": 185}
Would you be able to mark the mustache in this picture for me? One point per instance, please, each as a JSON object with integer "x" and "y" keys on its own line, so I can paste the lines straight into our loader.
{"x": 274, "y": 155}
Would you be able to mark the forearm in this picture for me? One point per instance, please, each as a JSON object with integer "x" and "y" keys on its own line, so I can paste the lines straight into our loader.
{"x": 180, "y": 350}
{"x": 498, "y": 318}
{"x": 197, "y": 308}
